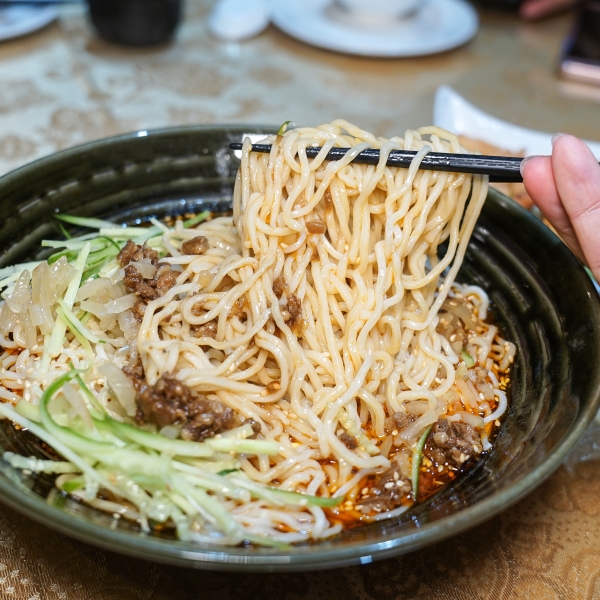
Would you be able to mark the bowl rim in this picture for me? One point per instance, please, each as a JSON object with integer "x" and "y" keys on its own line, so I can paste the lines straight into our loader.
{"x": 146, "y": 547}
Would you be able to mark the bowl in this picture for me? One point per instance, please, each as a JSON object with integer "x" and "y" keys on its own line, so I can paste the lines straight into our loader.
{"x": 541, "y": 297}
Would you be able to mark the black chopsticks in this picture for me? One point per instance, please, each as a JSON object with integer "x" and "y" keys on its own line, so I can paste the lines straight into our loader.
{"x": 499, "y": 168}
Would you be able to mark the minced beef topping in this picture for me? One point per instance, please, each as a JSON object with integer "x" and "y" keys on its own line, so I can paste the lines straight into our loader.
{"x": 147, "y": 289}
{"x": 171, "y": 402}
{"x": 453, "y": 443}
{"x": 294, "y": 314}
{"x": 348, "y": 440}
{"x": 280, "y": 286}
{"x": 387, "y": 492}
{"x": 133, "y": 252}
{"x": 397, "y": 421}
{"x": 197, "y": 245}
{"x": 206, "y": 330}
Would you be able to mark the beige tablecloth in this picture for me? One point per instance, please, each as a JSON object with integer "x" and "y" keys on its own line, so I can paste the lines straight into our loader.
{"x": 63, "y": 86}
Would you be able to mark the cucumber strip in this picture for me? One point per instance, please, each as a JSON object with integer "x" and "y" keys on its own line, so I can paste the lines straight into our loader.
{"x": 469, "y": 360}
{"x": 68, "y": 437}
{"x": 197, "y": 219}
{"x": 76, "y": 325}
{"x": 29, "y": 411}
{"x": 159, "y": 225}
{"x": 67, "y": 235}
{"x": 65, "y": 451}
{"x": 155, "y": 440}
{"x": 96, "y": 409}
{"x": 126, "y": 232}
{"x": 184, "y": 448}
{"x": 76, "y": 243}
{"x": 72, "y": 485}
{"x": 209, "y": 503}
{"x": 53, "y": 346}
{"x": 220, "y": 487}
{"x": 287, "y": 126}
{"x": 81, "y": 338}
{"x": 131, "y": 462}
{"x": 210, "y": 481}
{"x": 39, "y": 466}
{"x": 84, "y": 221}
{"x": 283, "y": 497}
{"x": 226, "y": 444}
{"x": 417, "y": 458}
{"x": 69, "y": 254}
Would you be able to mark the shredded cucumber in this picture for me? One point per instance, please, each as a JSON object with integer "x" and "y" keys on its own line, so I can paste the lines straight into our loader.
{"x": 417, "y": 458}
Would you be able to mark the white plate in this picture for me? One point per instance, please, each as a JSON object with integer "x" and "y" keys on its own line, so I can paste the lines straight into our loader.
{"x": 438, "y": 26}
{"x": 452, "y": 112}
{"x": 16, "y": 21}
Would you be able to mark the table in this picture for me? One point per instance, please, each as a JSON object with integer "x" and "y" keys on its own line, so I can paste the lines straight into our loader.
{"x": 63, "y": 86}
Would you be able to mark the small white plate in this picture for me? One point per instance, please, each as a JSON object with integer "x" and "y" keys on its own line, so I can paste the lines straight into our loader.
{"x": 437, "y": 27}
{"x": 16, "y": 21}
{"x": 452, "y": 112}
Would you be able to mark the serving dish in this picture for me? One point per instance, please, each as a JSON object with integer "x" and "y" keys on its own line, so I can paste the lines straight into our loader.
{"x": 541, "y": 296}
{"x": 452, "y": 112}
{"x": 438, "y": 26}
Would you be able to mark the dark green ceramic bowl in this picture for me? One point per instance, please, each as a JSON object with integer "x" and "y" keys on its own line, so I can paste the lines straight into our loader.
{"x": 541, "y": 296}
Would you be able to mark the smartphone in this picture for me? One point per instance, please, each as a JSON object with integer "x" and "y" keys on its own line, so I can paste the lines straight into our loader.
{"x": 580, "y": 54}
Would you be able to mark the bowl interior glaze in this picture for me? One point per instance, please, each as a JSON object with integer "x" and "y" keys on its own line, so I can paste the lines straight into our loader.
{"x": 541, "y": 297}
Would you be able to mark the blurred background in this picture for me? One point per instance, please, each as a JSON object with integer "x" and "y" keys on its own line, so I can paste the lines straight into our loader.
{"x": 68, "y": 81}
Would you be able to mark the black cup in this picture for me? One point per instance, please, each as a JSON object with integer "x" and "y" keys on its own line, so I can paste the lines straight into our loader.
{"x": 136, "y": 22}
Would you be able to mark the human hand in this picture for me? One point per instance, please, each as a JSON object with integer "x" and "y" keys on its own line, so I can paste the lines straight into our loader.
{"x": 566, "y": 189}
{"x": 532, "y": 10}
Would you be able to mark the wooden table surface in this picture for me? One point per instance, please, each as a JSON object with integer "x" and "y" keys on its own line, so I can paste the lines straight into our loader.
{"x": 63, "y": 86}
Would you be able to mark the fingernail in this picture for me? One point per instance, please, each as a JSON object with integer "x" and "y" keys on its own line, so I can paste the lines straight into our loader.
{"x": 525, "y": 161}
{"x": 555, "y": 137}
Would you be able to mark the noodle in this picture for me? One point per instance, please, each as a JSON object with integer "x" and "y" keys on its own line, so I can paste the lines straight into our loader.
{"x": 319, "y": 316}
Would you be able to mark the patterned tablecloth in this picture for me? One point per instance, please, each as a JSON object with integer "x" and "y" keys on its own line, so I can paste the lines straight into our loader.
{"x": 63, "y": 86}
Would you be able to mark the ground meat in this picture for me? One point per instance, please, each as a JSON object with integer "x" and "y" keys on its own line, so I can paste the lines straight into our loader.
{"x": 138, "y": 310}
{"x": 197, "y": 309}
{"x": 452, "y": 328}
{"x": 133, "y": 252}
{"x": 280, "y": 286}
{"x": 165, "y": 279}
{"x": 171, "y": 402}
{"x": 126, "y": 255}
{"x": 164, "y": 403}
{"x": 478, "y": 375}
{"x": 197, "y": 245}
{"x": 147, "y": 289}
{"x": 136, "y": 375}
{"x": 132, "y": 278}
{"x": 206, "y": 330}
{"x": 294, "y": 309}
{"x": 454, "y": 443}
{"x": 388, "y": 491}
{"x": 398, "y": 421}
{"x": 237, "y": 310}
{"x": 349, "y": 441}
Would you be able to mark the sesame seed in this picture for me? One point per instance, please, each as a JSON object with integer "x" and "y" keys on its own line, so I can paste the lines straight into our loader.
{"x": 365, "y": 490}
{"x": 389, "y": 485}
